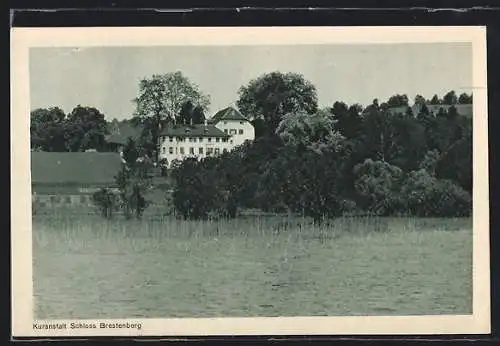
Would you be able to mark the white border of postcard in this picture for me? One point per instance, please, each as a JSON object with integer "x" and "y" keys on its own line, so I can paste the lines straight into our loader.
{"x": 22, "y": 289}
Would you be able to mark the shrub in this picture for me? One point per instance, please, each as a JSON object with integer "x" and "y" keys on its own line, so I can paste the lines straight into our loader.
{"x": 377, "y": 186}
{"x": 426, "y": 195}
{"x": 198, "y": 192}
{"x": 106, "y": 201}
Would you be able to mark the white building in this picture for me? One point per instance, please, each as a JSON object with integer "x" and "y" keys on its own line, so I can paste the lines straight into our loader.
{"x": 224, "y": 131}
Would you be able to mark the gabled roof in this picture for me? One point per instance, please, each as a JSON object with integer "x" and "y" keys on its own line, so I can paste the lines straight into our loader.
{"x": 74, "y": 167}
{"x": 122, "y": 133}
{"x": 193, "y": 131}
{"x": 228, "y": 113}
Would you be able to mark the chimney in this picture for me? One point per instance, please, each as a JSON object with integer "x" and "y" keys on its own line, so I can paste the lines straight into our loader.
{"x": 205, "y": 122}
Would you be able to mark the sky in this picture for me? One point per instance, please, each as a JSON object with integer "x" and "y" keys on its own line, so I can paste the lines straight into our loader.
{"x": 107, "y": 78}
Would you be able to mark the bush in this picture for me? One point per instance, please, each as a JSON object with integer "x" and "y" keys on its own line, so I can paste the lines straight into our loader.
{"x": 426, "y": 195}
{"x": 106, "y": 201}
{"x": 377, "y": 186}
{"x": 199, "y": 191}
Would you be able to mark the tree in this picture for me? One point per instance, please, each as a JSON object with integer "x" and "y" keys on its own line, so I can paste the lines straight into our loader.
{"x": 85, "y": 129}
{"x": 409, "y": 142}
{"x": 465, "y": 99}
{"x": 310, "y": 132}
{"x": 106, "y": 201}
{"x": 435, "y": 100}
{"x": 133, "y": 180}
{"x": 450, "y": 98}
{"x": 198, "y": 115}
{"x": 160, "y": 100}
{"x": 397, "y": 101}
{"x": 47, "y": 129}
{"x": 430, "y": 162}
{"x": 456, "y": 161}
{"x": 191, "y": 114}
{"x": 185, "y": 115}
{"x": 273, "y": 95}
{"x": 420, "y": 100}
{"x": 377, "y": 140}
{"x": 348, "y": 119}
{"x": 198, "y": 191}
{"x": 427, "y": 196}
{"x": 377, "y": 184}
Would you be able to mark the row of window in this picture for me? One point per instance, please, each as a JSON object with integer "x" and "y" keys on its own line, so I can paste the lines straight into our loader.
{"x": 198, "y": 139}
{"x": 180, "y": 150}
{"x": 233, "y": 131}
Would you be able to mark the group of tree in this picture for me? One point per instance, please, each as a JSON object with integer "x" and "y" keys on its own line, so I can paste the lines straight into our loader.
{"x": 326, "y": 162}
{"x": 304, "y": 159}
{"x": 53, "y": 130}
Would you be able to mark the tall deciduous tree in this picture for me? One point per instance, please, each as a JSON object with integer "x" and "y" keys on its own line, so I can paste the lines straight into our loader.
{"x": 47, "y": 129}
{"x": 85, "y": 129}
{"x": 160, "y": 100}
{"x": 273, "y": 95}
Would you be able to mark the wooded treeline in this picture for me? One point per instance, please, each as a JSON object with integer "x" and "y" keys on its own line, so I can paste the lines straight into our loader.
{"x": 324, "y": 163}
{"x": 316, "y": 162}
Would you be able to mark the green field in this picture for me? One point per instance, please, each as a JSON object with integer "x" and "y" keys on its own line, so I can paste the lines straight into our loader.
{"x": 86, "y": 267}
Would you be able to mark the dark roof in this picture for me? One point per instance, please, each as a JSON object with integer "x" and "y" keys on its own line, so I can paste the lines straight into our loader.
{"x": 228, "y": 113}
{"x": 73, "y": 167}
{"x": 462, "y": 109}
{"x": 193, "y": 131}
{"x": 122, "y": 133}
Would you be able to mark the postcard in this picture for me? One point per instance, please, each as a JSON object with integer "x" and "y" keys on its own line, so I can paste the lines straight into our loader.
{"x": 249, "y": 181}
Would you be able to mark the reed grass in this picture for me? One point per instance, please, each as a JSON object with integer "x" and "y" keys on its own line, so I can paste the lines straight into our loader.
{"x": 88, "y": 267}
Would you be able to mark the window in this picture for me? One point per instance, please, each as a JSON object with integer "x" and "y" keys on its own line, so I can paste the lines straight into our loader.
{"x": 217, "y": 139}
{"x": 181, "y": 150}
{"x": 231, "y": 141}
{"x": 217, "y": 151}
{"x": 224, "y": 140}
{"x": 200, "y": 139}
{"x": 232, "y": 132}
{"x": 171, "y": 150}
{"x": 225, "y": 122}
{"x": 163, "y": 150}
{"x": 192, "y": 139}
{"x": 209, "y": 139}
{"x": 200, "y": 151}
{"x": 241, "y": 122}
{"x": 210, "y": 151}
{"x": 240, "y": 132}
{"x": 191, "y": 151}
{"x": 225, "y": 131}
{"x": 171, "y": 139}
{"x": 224, "y": 150}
